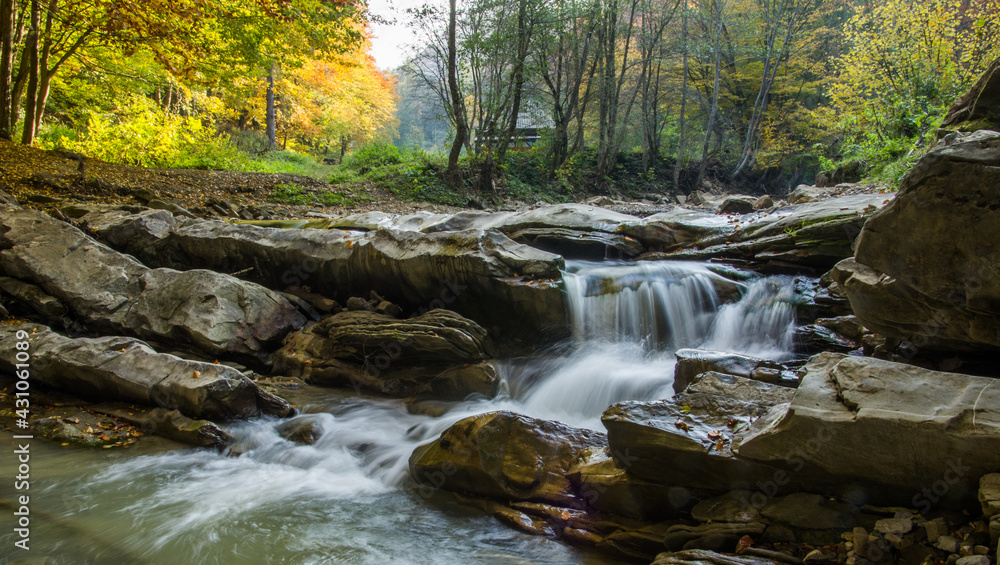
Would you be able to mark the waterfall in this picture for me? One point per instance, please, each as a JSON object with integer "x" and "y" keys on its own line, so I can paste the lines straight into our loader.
{"x": 629, "y": 319}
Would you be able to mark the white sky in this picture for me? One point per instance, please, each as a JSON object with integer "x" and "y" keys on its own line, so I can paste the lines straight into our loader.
{"x": 390, "y": 41}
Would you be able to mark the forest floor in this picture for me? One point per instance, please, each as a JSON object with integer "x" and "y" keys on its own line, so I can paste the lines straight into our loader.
{"x": 41, "y": 178}
{"x": 50, "y": 179}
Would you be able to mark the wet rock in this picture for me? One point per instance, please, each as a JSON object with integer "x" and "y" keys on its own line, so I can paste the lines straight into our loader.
{"x": 170, "y": 424}
{"x": 820, "y": 556}
{"x": 850, "y": 407}
{"x": 115, "y": 293}
{"x": 126, "y": 369}
{"x": 815, "y": 338}
{"x": 505, "y": 456}
{"x": 923, "y": 271}
{"x": 693, "y": 362}
{"x": 305, "y": 429}
{"x": 575, "y": 244}
{"x": 608, "y": 487}
{"x": 687, "y": 440}
{"x": 737, "y": 205}
{"x": 29, "y": 295}
{"x": 436, "y": 353}
{"x": 58, "y": 429}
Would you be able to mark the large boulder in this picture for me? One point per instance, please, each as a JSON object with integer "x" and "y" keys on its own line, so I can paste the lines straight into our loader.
{"x": 934, "y": 433}
{"x": 925, "y": 269}
{"x": 481, "y": 274}
{"x": 979, "y": 108}
{"x": 114, "y": 293}
{"x": 438, "y": 354}
{"x": 128, "y": 370}
{"x": 505, "y": 456}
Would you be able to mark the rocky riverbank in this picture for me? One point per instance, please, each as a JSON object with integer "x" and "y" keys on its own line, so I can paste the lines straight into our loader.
{"x": 876, "y": 440}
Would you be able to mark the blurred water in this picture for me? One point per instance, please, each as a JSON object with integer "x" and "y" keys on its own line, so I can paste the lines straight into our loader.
{"x": 346, "y": 499}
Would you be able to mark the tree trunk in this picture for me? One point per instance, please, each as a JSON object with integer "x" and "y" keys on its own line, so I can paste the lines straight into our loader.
{"x": 714, "y": 111}
{"x": 6, "y": 67}
{"x": 31, "y": 52}
{"x": 271, "y": 129}
{"x": 684, "y": 87}
{"x": 458, "y": 105}
{"x": 518, "y": 76}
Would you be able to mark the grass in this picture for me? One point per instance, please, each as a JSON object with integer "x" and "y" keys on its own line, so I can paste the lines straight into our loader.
{"x": 291, "y": 193}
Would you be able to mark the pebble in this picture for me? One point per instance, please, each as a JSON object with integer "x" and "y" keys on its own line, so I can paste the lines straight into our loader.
{"x": 896, "y": 526}
{"x": 948, "y": 543}
{"x": 936, "y": 528}
{"x": 974, "y": 560}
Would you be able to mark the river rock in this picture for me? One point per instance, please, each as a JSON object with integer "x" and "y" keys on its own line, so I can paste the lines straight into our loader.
{"x": 481, "y": 274}
{"x": 693, "y": 362}
{"x": 811, "y": 512}
{"x": 814, "y": 235}
{"x": 568, "y": 216}
{"x": 575, "y": 244}
{"x": 925, "y": 270}
{"x": 977, "y": 109}
{"x": 805, "y": 193}
{"x": 847, "y": 408}
{"x": 737, "y": 205}
{"x": 704, "y": 557}
{"x": 680, "y": 227}
{"x": 438, "y": 354}
{"x": 48, "y": 307}
{"x": 989, "y": 494}
{"x": 505, "y": 456}
{"x": 128, "y": 370}
{"x": 734, "y": 506}
{"x": 687, "y": 440}
{"x": 115, "y": 293}
{"x": 607, "y": 487}
{"x": 763, "y": 203}
{"x": 716, "y": 537}
{"x": 170, "y": 424}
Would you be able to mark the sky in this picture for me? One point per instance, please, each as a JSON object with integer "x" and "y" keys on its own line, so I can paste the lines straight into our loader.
{"x": 390, "y": 42}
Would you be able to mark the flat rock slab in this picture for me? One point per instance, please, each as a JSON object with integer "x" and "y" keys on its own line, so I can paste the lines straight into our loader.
{"x": 687, "y": 440}
{"x": 511, "y": 289}
{"x": 438, "y": 354}
{"x": 128, "y": 370}
{"x": 929, "y": 429}
{"x": 115, "y": 293}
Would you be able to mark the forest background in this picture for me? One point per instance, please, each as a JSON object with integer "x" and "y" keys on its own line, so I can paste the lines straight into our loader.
{"x": 523, "y": 99}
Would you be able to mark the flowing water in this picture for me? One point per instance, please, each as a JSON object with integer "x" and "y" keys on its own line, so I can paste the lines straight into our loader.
{"x": 346, "y": 499}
